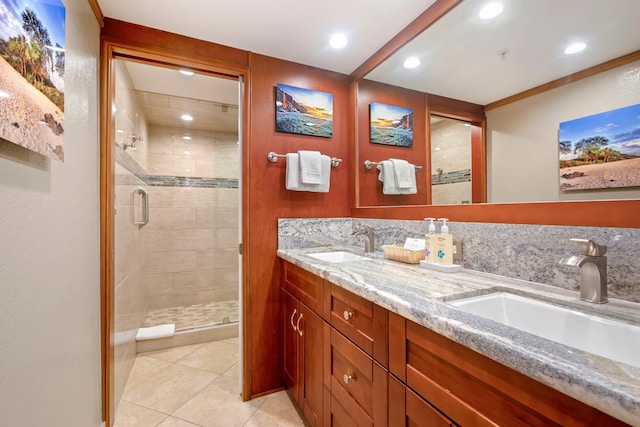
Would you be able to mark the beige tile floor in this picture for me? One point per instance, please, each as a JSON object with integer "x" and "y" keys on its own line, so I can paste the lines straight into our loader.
{"x": 197, "y": 386}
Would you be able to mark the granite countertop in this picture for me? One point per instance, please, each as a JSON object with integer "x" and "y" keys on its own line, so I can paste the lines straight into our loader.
{"x": 420, "y": 295}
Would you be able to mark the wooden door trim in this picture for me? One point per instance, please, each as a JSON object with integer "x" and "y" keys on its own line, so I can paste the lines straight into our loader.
{"x": 170, "y": 56}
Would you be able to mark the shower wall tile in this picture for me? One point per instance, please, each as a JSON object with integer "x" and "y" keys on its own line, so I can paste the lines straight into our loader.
{"x": 195, "y": 197}
{"x": 159, "y": 283}
{"x": 204, "y": 217}
{"x": 228, "y": 198}
{"x": 189, "y": 281}
{"x": 227, "y": 238}
{"x": 172, "y": 261}
{"x": 225, "y": 257}
{"x": 162, "y": 197}
{"x": 172, "y": 218}
{"x": 225, "y": 218}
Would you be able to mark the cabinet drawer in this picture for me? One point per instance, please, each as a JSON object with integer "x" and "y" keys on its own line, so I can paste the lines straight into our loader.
{"x": 475, "y": 390}
{"x": 363, "y": 322}
{"x": 305, "y": 286}
{"x": 358, "y": 382}
{"x": 340, "y": 416}
{"x": 406, "y": 408}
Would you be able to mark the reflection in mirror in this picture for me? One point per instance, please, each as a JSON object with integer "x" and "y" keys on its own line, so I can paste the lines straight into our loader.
{"x": 515, "y": 66}
{"x": 450, "y": 161}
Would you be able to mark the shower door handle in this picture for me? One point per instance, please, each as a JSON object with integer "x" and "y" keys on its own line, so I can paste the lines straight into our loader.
{"x": 144, "y": 200}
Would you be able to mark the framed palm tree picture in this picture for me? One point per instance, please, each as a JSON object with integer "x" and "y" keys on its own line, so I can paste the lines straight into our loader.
{"x": 32, "y": 58}
{"x": 601, "y": 151}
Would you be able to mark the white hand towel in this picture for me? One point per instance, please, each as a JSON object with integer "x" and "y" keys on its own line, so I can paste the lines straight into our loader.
{"x": 403, "y": 172}
{"x": 388, "y": 178}
{"x": 153, "y": 332}
{"x": 292, "y": 180}
{"x": 310, "y": 167}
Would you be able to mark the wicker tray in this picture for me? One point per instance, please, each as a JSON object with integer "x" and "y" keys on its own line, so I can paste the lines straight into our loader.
{"x": 399, "y": 253}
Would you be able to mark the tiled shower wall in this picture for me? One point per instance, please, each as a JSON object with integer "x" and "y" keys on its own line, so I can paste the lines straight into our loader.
{"x": 193, "y": 246}
{"x": 193, "y": 230}
{"x": 130, "y": 242}
{"x": 451, "y": 152}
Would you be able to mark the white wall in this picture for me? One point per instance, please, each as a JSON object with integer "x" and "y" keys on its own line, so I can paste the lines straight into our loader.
{"x": 50, "y": 257}
{"x": 522, "y": 137}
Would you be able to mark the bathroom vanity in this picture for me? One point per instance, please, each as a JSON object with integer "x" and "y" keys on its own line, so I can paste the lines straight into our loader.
{"x": 377, "y": 342}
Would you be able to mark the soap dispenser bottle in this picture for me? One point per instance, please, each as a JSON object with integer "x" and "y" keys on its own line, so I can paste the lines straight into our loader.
{"x": 430, "y": 241}
{"x": 444, "y": 244}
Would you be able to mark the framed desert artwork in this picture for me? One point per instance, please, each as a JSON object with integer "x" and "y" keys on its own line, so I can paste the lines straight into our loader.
{"x": 32, "y": 57}
{"x": 391, "y": 125}
{"x": 601, "y": 151}
{"x": 304, "y": 111}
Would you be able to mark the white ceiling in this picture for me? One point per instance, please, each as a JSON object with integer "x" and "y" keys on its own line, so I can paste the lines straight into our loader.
{"x": 293, "y": 30}
{"x": 460, "y": 53}
{"x": 164, "y": 95}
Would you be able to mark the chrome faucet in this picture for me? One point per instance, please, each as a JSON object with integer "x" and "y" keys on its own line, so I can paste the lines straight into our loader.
{"x": 593, "y": 270}
{"x": 369, "y": 244}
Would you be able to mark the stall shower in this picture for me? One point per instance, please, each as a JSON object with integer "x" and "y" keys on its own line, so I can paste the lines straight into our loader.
{"x": 177, "y": 209}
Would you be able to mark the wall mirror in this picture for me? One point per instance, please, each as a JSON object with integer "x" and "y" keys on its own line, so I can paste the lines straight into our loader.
{"x": 512, "y": 66}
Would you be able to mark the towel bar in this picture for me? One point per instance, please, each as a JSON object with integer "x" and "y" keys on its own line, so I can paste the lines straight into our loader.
{"x": 368, "y": 164}
{"x": 273, "y": 157}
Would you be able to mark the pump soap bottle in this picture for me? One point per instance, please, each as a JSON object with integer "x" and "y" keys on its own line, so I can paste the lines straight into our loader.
{"x": 444, "y": 244}
{"x": 430, "y": 241}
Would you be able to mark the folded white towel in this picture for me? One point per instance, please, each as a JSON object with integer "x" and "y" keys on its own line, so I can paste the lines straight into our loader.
{"x": 292, "y": 179}
{"x": 403, "y": 172}
{"x": 389, "y": 181}
{"x": 153, "y": 332}
{"x": 310, "y": 167}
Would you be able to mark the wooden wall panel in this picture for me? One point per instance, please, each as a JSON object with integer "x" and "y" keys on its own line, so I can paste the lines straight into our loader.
{"x": 369, "y": 188}
{"x": 267, "y": 200}
{"x": 608, "y": 213}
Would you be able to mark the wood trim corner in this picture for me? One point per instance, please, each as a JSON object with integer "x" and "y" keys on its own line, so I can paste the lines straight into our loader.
{"x": 97, "y": 11}
{"x": 591, "y": 71}
{"x": 434, "y": 12}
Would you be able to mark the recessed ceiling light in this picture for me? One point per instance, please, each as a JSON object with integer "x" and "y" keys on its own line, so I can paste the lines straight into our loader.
{"x": 338, "y": 41}
{"x": 4, "y": 94}
{"x": 119, "y": 131}
{"x": 186, "y": 117}
{"x": 186, "y": 138}
{"x": 575, "y": 48}
{"x": 187, "y": 72}
{"x": 411, "y": 62}
{"x": 491, "y": 10}
{"x": 187, "y": 152}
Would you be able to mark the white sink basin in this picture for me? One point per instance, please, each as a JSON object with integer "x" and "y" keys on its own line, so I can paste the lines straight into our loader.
{"x": 338, "y": 256}
{"x": 609, "y": 338}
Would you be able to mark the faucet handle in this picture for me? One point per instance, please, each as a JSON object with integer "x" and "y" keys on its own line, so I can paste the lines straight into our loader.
{"x": 589, "y": 247}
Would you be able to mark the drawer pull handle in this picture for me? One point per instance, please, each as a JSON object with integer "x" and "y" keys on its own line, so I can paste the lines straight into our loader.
{"x": 298, "y": 325}
{"x": 347, "y": 315}
{"x": 347, "y": 378}
{"x": 293, "y": 314}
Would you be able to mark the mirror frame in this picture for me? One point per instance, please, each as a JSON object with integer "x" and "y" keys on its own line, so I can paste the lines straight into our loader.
{"x": 601, "y": 213}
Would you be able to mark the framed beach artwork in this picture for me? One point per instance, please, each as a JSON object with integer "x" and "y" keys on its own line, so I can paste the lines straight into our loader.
{"x": 304, "y": 111}
{"x": 391, "y": 125}
{"x": 32, "y": 57}
{"x": 601, "y": 151}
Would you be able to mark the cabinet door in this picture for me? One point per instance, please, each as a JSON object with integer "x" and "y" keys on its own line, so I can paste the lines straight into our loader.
{"x": 311, "y": 347}
{"x": 289, "y": 318}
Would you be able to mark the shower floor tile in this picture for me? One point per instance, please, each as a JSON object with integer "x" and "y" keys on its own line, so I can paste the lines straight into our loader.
{"x": 194, "y": 316}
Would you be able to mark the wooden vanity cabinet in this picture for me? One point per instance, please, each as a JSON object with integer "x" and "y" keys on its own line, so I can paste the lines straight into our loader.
{"x": 303, "y": 342}
{"x": 474, "y": 390}
{"x": 335, "y": 371}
